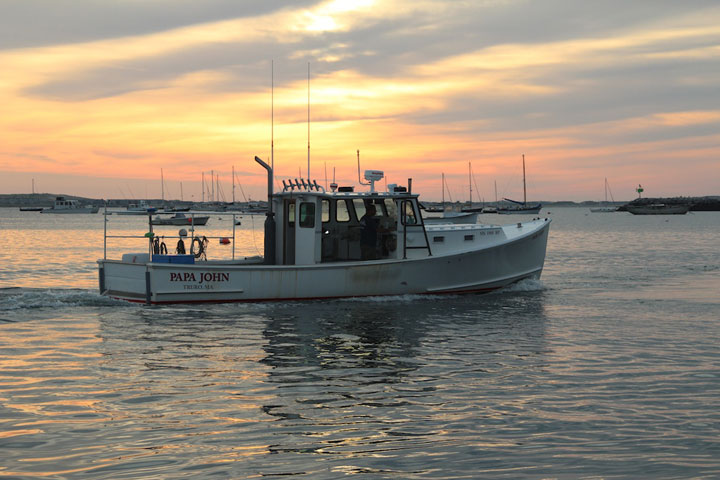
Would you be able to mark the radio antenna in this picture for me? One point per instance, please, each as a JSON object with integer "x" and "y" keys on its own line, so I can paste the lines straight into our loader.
{"x": 272, "y": 114}
{"x": 308, "y": 122}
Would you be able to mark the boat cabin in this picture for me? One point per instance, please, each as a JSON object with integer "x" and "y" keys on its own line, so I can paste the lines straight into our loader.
{"x": 313, "y": 226}
{"x": 307, "y": 225}
{"x": 62, "y": 202}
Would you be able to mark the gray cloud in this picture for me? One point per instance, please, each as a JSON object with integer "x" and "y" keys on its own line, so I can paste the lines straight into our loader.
{"x": 34, "y": 23}
{"x": 633, "y": 85}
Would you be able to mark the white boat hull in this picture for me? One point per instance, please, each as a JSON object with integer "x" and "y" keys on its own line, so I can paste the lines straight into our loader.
{"x": 71, "y": 210}
{"x": 455, "y": 218}
{"x": 477, "y": 270}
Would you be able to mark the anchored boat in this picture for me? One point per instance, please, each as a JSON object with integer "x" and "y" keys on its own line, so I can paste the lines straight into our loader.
{"x": 322, "y": 244}
{"x": 66, "y": 205}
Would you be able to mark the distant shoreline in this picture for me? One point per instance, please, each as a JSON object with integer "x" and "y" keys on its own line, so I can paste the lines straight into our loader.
{"x": 17, "y": 200}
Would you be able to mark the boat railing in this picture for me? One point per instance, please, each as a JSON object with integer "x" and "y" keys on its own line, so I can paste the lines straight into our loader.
{"x": 409, "y": 225}
{"x": 150, "y": 234}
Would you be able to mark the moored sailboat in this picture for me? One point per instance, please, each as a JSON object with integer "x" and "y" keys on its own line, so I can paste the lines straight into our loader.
{"x": 520, "y": 208}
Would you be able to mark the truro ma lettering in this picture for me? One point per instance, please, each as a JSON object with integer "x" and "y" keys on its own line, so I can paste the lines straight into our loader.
{"x": 200, "y": 280}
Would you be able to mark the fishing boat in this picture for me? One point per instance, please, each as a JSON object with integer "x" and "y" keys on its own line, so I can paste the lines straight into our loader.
{"x": 31, "y": 209}
{"x": 322, "y": 244}
{"x": 519, "y": 208}
{"x": 658, "y": 209}
{"x": 605, "y": 207}
{"x": 65, "y": 206}
{"x": 180, "y": 219}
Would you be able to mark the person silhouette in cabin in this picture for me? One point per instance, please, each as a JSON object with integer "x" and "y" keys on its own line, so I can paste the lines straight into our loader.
{"x": 369, "y": 234}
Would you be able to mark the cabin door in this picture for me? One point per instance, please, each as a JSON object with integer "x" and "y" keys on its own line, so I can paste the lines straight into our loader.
{"x": 289, "y": 232}
{"x": 306, "y": 239}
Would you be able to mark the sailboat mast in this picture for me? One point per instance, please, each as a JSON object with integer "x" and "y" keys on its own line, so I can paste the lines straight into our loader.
{"x": 470, "y": 181}
{"x": 162, "y": 186}
{"x": 233, "y": 184}
{"x": 442, "y": 186}
{"x": 524, "y": 186}
{"x": 605, "y": 189}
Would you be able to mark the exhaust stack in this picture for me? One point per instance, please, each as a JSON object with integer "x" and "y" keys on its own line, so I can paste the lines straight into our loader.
{"x": 269, "y": 218}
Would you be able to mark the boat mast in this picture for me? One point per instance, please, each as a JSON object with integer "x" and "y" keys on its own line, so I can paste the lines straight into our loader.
{"x": 233, "y": 184}
{"x": 162, "y": 186}
{"x": 202, "y": 186}
{"x": 442, "y": 187}
{"x": 470, "y": 181}
{"x": 524, "y": 186}
{"x": 605, "y": 189}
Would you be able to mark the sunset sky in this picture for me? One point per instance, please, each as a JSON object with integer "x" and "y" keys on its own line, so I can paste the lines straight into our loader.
{"x": 97, "y": 96}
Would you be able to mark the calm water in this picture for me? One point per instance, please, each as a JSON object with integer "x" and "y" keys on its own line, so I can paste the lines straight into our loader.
{"x": 607, "y": 368}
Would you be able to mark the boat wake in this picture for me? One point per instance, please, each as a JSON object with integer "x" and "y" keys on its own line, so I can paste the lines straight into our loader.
{"x": 13, "y": 299}
{"x": 527, "y": 285}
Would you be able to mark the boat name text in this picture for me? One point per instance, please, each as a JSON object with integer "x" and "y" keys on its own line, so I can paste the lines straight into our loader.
{"x": 200, "y": 278}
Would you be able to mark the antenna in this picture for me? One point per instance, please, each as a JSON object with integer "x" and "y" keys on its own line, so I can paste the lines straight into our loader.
{"x": 524, "y": 186}
{"x": 272, "y": 114}
{"x": 308, "y": 108}
{"x": 360, "y": 178}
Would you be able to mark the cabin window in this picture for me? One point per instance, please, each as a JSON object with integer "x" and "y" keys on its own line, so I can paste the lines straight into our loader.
{"x": 325, "y": 207}
{"x": 291, "y": 213}
{"x": 391, "y": 208}
{"x": 359, "y": 208}
{"x": 438, "y": 239}
{"x": 342, "y": 212}
{"x": 307, "y": 215}
{"x": 408, "y": 213}
{"x": 469, "y": 238}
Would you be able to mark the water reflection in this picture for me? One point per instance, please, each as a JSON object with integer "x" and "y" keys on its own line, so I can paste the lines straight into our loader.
{"x": 324, "y": 388}
{"x": 368, "y": 379}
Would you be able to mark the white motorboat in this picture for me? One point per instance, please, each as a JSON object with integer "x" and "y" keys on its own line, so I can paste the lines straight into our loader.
{"x": 658, "y": 209}
{"x": 65, "y": 205}
{"x": 322, "y": 244}
{"x": 139, "y": 208}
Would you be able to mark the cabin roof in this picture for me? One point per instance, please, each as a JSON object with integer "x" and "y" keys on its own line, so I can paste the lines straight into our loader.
{"x": 349, "y": 195}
